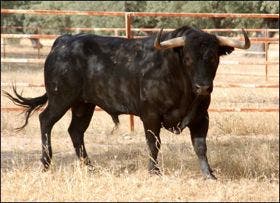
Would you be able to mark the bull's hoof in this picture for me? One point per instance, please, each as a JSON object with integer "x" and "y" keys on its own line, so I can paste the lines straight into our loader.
{"x": 85, "y": 161}
{"x": 44, "y": 170}
{"x": 46, "y": 164}
{"x": 90, "y": 168}
{"x": 210, "y": 176}
{"x": 155, "y": 172}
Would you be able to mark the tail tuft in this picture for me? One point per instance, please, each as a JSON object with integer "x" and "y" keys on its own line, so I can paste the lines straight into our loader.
{"x": 30, "y": 105}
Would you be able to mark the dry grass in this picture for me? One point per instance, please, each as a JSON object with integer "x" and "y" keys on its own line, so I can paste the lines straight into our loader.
{"x": 75, "y": 184}
{"x": 243, "y": 149}
{"x": 245, "y": 165}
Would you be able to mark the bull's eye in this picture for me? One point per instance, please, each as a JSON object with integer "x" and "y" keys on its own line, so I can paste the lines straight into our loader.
{"x": 210, "y": 58}
{"x": 205, "y": 57}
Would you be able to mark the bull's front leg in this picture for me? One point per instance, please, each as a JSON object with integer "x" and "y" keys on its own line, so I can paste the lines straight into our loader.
{"x": 199, "y": 129}
{"x": 152, "y": 129}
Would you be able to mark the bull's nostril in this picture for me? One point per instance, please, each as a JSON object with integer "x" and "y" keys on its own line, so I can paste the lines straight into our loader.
{"x": 206, "y": 87}
{"x": 203, "y": 89}
{"x": 197, "y": 88}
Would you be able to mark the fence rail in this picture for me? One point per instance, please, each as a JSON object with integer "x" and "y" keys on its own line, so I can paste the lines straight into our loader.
{"x": 45, "y": 36}
{"x": 222, "y": 62}
{"x": 60, "y": 12}
{"x": 17, "y": 109}
{"x": 142, "y": 29}
{"x": 138, "y": 14}
{"x": 220, "y": 85}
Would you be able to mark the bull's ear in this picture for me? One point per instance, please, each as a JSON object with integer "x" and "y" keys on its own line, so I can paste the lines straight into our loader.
{"x": 225, "y": 50}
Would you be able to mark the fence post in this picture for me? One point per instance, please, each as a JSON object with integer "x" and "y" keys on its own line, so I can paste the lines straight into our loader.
{"x": 129, "y": 35}
{"x": 38, "y": 52}
{"x": 4, "y": 47}
{"x": 266, "y": 54}
{"x": 116, "y": 32}
{"x": 128, "y": 18}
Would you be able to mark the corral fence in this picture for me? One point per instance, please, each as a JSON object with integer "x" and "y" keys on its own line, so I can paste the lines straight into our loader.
{"x": 129, "y": 33}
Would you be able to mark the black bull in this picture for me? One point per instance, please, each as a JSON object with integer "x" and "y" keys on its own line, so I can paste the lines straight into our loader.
{"x": 166, "y": 80}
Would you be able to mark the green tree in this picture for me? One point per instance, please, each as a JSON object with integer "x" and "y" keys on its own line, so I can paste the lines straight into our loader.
{"x": 10, "y": 21}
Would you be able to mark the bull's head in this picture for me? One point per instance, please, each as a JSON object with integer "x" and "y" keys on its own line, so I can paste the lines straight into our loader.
{"x": 200, "y": 55}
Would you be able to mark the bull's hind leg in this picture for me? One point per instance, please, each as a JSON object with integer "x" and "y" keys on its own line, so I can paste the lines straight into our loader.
{"x": 81, "y": 117}
{"x": 48, "y": 118}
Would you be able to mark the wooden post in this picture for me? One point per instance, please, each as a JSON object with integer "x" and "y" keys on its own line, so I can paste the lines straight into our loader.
{"x": 4, "y": 47}
{"x": 131, "y": 123}
{"x": 116, "y": 32}
{"x": 128, "y": 35}
{"x": 38, "y": 52}
{"x": 128, "y": 18}
{"x": 266, "y": 54}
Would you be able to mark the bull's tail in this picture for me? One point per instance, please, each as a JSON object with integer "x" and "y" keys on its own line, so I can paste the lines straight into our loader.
{"x": 30, "y": 105}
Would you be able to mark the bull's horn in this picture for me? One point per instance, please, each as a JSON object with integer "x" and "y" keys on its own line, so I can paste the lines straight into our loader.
{"x": 171, "y": 43}
{"x": 227, "y": 41}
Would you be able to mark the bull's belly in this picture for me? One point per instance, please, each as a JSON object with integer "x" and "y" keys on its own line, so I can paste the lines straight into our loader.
{"x": 117, "y": 95}
{"x": 118, "y": 108}
{"x": 113, "y": 104}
